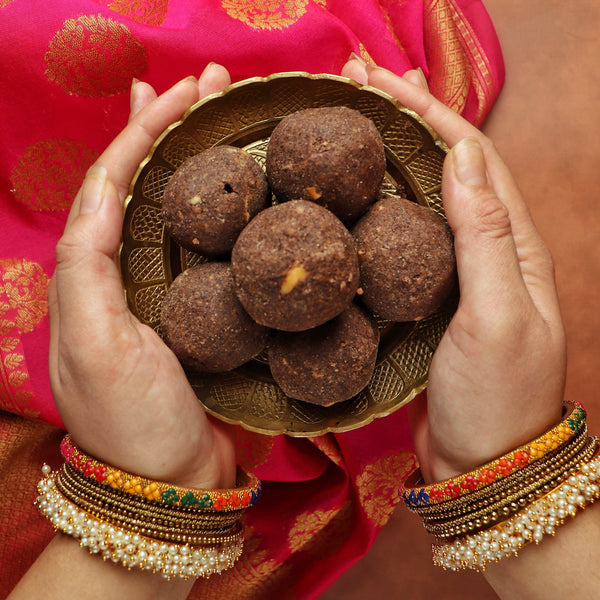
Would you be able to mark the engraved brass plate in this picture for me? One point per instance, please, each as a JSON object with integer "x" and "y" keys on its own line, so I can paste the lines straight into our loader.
{"x": 244, "y": 115}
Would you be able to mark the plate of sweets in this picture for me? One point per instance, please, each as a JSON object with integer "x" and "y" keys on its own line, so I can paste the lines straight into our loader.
{"x": 287, "y": 240}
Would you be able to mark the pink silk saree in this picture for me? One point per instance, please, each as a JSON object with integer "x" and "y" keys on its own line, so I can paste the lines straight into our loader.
{"x": 65, "y": 75}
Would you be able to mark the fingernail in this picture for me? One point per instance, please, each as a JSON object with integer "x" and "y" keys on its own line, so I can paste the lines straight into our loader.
{"x": 93, "y": 189}
{"x": 423, "y": 78}
{"x": 469, "y": 162}
{"x": 132, "y": 95}
{"x": 209, "y": 67}
{"x": 354, "y": 56}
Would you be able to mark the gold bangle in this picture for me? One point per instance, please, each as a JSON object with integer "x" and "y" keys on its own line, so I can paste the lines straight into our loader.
{"x": 484, "y": 496}
{"x": 540, "y": 518}
{"x": 128, "y": 548}
{"x": 504, "y": 508}
{"x": 146, "y": 523}
{"x": 164, "y": 513}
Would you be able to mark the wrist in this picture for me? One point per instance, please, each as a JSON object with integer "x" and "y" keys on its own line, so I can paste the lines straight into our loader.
{"x": 441, "y": 464}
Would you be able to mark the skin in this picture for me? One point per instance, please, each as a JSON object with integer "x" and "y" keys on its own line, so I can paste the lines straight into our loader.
{"x": 120, "y": 391}
{"x": 501, "y": 361}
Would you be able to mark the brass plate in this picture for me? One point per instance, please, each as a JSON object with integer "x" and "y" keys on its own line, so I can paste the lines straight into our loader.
{"x": 244, "y": 115}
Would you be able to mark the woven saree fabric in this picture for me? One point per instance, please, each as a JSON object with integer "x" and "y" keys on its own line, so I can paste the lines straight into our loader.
{"x": 65, "y": 73}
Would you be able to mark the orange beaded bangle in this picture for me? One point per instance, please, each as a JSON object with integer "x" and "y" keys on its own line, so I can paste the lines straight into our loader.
{"x": 246, "y": 493}
{"x": 415, "y": 494}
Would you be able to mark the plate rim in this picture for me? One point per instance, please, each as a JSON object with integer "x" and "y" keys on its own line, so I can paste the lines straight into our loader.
{"x": 435, "y": 138}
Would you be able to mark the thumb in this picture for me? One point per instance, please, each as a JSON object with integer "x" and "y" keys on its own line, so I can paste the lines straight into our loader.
{"x": 88, "y": 287}
{"x": 486, "y": 256}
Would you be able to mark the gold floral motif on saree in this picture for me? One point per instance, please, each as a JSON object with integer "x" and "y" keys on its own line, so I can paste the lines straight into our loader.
{"x": 481, "y": 70}
{"x": 321, "y": 532}
{"x": 364, "y": 54}
{"x": 449, "y": 69}
{"x": 49, "y": 173}
{"x": 23, "y": 304}
{"x": 307, "y": 526}
{"x": 378, "y": 485}
{"x": 94, "y": 57}
{"x": 148, "y": 12}
{"x": 266, "y": 14}
{"x": 456, "y": 58}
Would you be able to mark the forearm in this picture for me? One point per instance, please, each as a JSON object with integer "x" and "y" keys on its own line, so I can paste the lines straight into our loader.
{"x": 563, "y": 566}
{"x": 64, "y": 570}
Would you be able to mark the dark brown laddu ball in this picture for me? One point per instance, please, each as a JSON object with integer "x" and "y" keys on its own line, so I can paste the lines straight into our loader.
{"x": 295, "y": 266}
{"x": 329, "y": 363}
{"x": 211, "y": 197}
{"x": 406, "y": 256}
{"x": 333, "y": 156}
{"x": 204, "y": 323}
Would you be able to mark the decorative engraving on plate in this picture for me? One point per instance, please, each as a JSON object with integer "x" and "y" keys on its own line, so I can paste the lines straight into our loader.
{"x": 244, "y": 115}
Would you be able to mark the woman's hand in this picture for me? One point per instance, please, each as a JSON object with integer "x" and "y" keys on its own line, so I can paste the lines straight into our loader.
{"x": 497, "y": 377}
{"x": 121, "y": 392}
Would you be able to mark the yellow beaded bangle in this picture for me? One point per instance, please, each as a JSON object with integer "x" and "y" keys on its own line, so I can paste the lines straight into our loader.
{"x": 246, "y": 493}
{"x": 415, "y": 494}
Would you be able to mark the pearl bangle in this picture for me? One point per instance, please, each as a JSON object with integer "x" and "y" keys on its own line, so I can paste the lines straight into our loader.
{"x": 540, "y": 518}
{"x": 130, "y": 549}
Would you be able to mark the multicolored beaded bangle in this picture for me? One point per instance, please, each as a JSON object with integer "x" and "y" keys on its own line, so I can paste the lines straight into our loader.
{"x": 485, "y": 495}
{"x": 415, "y": 494}
{"x": 246, "y": 493}
{"x": 540, "y": 518}
{"x": 128, "y": 548}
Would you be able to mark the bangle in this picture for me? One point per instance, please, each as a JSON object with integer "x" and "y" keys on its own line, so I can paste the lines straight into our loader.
{"x": 130, "y": 549}
{"x": 415, "y": 494}
{"x": 540, "y": 518}
{"x": 505, "y": 507}
{"x": 540, "y": 470}
{"x": 146, "y": 519}
{"x": 245, "y": 495}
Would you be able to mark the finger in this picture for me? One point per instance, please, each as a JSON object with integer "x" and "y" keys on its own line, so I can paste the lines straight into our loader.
{"x": 141, "y": 95}
{"x": 214, "y": 78}
{"x": 444, "y": 120}
{"x": 534, "y": 258}
{"x": 452, "y": 128}
{"x": 124, "y": 154}
{"x": 491, "y": 269}
{"x": 132, "y": 145}
{"x": 355, "y": 69}
{"x": 416, "y": 77}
